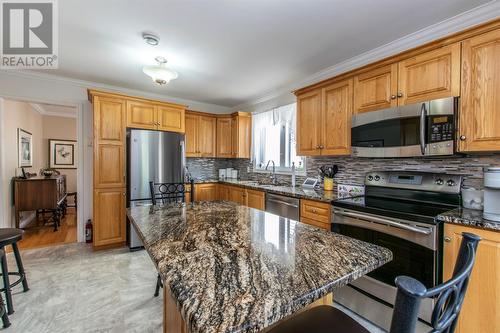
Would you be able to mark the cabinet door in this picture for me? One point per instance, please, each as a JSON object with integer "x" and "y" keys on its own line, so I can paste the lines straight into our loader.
{"x": 223, "y": 192}
{"x": 109, "y": 216}
{"x": 479, "y": 118}
{"x": 191, "y": 139}
{"x": 256, "y": 199}
{"x": 207, "y": 136}
{"x": 314, "y": 210}
{"x": 109, "y": 142}
{"x": 170, "y": 119}
{"x": 205, "y": 192}
{"x": 308, "y": 123}
{"x": 237, "y": 194}
{"x": 376, "y": 89}
{"x": 141, "y": 115}
{"x": 481, "y": 308}
{"x": 431, "y": 75}
{"x": 242, "y": 128}
{"x": 224, "y": 138}
{"x": 336, "y": 119}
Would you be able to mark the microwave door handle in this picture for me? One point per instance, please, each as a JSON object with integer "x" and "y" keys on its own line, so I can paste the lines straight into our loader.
{"x": 423, "y": 117}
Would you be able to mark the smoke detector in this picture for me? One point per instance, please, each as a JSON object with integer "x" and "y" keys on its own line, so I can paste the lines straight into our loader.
{"x": 151, "y": 39}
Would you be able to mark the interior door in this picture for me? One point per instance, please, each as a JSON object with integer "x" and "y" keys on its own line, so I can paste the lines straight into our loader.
{"x": 376, "y": 89}
{"x": 431, "y": 75}
{"x": 479, "y": 123}
{"x": 336, "y": 118}
{"x": 308, "y": 123}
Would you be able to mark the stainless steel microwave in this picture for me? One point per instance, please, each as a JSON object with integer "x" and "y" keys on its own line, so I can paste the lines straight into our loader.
{"x": 421, "y": 129}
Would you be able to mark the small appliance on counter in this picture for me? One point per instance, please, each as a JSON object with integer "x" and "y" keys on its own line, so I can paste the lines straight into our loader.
{"x": 492, "y": 194}
{"x": 229, "y": 172}
{"x": 222, "y": 174}
{"x": 472, "y": 198}
{"x": 234, "y": 174}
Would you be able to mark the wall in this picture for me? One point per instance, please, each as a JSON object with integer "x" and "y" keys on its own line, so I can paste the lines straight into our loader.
{"x": 206, "y": 168}
{"x": 60, "y": 128}
{"x": 18, "y": 115}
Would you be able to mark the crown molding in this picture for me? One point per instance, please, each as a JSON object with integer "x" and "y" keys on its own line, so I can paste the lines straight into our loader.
{"x": 470, "y": 18}
{"x": 41, "y": 110}
{"x": 207, "y": 107}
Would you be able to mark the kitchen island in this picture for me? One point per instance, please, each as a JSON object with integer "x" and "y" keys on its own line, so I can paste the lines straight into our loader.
{"x": 231, "y": 268}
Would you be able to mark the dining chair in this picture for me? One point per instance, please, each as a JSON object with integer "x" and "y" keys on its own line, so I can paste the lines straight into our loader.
{"x": 3, "y": 310}
{"x": 165, "y": 193}
{"x": 410, "y": 292}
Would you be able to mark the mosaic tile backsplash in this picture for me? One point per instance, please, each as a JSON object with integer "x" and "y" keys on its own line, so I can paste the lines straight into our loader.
{"x": 352, "y": 170}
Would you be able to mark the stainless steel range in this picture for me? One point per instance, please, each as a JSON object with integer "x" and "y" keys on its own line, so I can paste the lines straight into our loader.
{"x": 397, "y": 212}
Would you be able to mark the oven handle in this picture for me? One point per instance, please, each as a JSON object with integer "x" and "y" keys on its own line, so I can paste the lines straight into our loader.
{"x": 423, "y": 117}
{"x": 375, "y": 219}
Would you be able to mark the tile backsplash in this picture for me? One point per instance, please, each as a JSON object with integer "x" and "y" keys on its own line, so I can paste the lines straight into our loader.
{"x": 353, "y": 169}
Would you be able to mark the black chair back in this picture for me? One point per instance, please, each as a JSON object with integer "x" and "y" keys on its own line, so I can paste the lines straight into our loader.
{"x": 449, "y": 295}
{"x": 169, "y": 192}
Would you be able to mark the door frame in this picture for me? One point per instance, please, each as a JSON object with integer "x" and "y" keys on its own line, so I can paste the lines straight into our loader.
{"x": 79, "y": 106}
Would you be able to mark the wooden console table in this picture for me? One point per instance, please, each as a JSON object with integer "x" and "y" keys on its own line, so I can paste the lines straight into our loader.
{"x": 37, "y": 193}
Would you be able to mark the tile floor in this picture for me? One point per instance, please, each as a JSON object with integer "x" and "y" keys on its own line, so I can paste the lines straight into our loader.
{"x": 73, "y": 289}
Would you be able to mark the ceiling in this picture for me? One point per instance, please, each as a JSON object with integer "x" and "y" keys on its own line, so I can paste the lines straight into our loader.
{"x": 228, "y": 52}
{"x": 54, "y": 110}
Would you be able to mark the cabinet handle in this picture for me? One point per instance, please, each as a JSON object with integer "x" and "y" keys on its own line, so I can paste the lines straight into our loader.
{"x": 313, "y": 210}
{"x": 447, "y": 239}
{"x": 400, "y": 94}
{"x": 393, "y": 96}
{"x": 317, "y": 147}
{"x": 124, "y": 194}
{"x": 463, "y": 138}
{"x": 321, "y": 147}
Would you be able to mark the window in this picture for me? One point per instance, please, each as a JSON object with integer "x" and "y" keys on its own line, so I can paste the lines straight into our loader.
{"x": 273, "y": 138}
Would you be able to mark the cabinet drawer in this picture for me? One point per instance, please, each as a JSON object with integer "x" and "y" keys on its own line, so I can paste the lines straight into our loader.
{"x": 314, "y": 210}
{"x": 326, "y": 226}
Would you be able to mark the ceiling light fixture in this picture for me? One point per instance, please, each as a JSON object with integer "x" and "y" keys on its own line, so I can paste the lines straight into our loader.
{"x": 151, "y": 39}
{"x": 160, "y": 73}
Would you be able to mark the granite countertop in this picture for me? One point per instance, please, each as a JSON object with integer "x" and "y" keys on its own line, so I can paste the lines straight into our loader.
{"x": 468, "y": 217}
{"x": 232, "y": 268}
{"x": 296, "y": 192}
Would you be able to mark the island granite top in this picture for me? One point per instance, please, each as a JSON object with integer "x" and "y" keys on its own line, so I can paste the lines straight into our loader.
{"x": 469, "y": 217}
{"x": 232, "y": 268}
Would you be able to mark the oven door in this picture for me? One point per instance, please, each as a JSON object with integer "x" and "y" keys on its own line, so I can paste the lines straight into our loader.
{"x": 414, "y": 246}
{"x": 422, "y": 129}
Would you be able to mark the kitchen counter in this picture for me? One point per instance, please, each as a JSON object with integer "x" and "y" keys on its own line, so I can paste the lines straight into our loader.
{"x": 468, "y": 217}
{"x": 231, "y": 268}
{"x": 296, "y": 192}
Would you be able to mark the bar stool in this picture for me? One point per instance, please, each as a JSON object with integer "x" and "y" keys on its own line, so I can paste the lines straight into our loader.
{"x": 3, "y": 312}
{"x": 10, "y": 236}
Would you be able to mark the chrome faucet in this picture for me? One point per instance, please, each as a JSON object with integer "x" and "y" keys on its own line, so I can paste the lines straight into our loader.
{"x": 273, "y": 175}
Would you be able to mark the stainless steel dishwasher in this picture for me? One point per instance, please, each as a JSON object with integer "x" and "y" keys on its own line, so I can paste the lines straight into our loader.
{"x": 283, "y": 206}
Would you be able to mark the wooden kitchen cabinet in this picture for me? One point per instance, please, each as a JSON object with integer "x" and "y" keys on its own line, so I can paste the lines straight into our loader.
{"x": 479, "y": 117}
{"x": 234, "y": 135}
{"x": 109, "y": 217}
{"x": 237, "y": 194}
{"x": 145, "y": 114}
{"x": 205, "y": 192}
{"x": 481, "y": 308}
{"x": 171, "y": 119}
{"x": 430, "y": 75}
{"x": 200, "y": 135}
{"x": 256, "y": 199}
{"x": 337, "y": 108}
{"x": 223, "y": 192}
{"x": 224, "y": 137}
{"x": 309, "y": 123}
{"x": 324, "y": 120}
{"x": 141, "y": 115}
{"x": 376, "y": 89}
{"x": 315, "y": 213}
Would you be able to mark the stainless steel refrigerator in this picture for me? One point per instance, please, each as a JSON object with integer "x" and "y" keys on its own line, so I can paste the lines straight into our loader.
{"x": 151, "y": 156}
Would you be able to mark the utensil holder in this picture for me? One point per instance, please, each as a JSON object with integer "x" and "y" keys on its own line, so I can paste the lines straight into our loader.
{"x": 328, "y": 184}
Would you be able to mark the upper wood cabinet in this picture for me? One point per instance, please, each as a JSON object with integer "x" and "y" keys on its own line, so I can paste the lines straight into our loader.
{"x": 324, "y": 120}
{"x": 309, "y": 123}
{"x": 234, "y": 135}
{"x": 479, "y": 120}
{"x": 430, "y": 75}
{"x": 336, "y": 118}
{"x": 200, "y": 135}
{"x": 153, "y": 116}
{"x": 109, "y": 142}
{"x": 376, "y": 89}
{"x": 481, "y": 307}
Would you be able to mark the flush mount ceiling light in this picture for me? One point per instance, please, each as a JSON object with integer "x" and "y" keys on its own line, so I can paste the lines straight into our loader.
{"x": 151, "y": 39}
{"x": 160, "y": 73}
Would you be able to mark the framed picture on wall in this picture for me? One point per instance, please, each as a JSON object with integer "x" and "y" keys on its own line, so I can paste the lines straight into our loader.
{"x": 62, "y": 154}
{"x": 24, "y": 149}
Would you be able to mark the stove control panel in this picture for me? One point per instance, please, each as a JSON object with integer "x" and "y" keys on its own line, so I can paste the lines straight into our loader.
{"x": 415, "y": 180}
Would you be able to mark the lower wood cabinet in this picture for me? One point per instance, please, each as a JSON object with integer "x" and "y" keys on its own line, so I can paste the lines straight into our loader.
{"x": 223, "y": 192}
{"x": 109, "y": 217}
{"x": 205, "y": 192}
{"x": 237, "y": 194}
{"x": 481, "y": 307}
{"x": 315, "y": 213}
{"x": 256, "y": 199}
